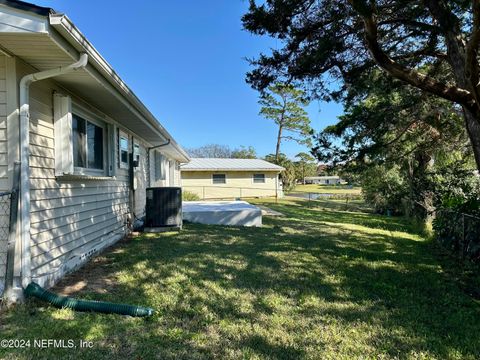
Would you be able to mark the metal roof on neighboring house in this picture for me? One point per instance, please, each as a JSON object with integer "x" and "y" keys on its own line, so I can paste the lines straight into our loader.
{"x": 217, "y": 164}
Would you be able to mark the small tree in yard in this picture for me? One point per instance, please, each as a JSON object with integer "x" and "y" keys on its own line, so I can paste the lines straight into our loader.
{"x": 306, "y": 165}
{"x": 289, "y": 175}
{"x": 284, "y": 104}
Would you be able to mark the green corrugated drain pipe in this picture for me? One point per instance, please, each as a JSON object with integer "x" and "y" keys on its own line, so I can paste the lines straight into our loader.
{"x": 35, "y": 290}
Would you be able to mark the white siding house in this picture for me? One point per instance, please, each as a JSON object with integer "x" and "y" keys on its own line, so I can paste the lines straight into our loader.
{"x": 324, "y": 180}
{"x": 75, "y": 133}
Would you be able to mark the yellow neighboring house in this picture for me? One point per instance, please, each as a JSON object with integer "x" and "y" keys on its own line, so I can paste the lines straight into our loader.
{"x": 213, "y": 178}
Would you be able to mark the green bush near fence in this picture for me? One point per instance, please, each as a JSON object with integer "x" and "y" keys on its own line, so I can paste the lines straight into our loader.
{"x": 458, "y": 229}
{"x": 189, "y": 196}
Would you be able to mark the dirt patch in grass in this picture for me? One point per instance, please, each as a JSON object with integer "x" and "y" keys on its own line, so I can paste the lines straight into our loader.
{"x": 95, "y": 276}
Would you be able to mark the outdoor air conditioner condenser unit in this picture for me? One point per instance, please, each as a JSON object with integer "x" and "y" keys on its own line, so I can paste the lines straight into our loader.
{"x": 163, "y": 209}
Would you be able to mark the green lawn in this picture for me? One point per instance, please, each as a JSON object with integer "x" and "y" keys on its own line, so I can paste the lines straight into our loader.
{"x": 328, "y": 189}
{"x": 320, "y": 282}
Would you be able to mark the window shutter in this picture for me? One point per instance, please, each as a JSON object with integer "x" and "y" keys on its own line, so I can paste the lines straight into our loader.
{"x": 62, "y": 116}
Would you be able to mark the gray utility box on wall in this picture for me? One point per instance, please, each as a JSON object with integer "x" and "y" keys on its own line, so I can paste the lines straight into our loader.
{"x": 163, "y": 209}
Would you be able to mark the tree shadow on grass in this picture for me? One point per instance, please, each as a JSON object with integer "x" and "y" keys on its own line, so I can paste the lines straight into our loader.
{"x": 314, "y": 280}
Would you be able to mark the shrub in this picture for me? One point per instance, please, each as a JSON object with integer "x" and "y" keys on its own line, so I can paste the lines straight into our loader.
{"x": 189, "y": 196}
{"x": 457, "y": 220}
{"x": 459, "y": 233}
{"x": 383, "y": 189}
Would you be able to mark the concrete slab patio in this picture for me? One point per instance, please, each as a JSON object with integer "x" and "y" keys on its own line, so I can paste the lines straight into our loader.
{"x": 236, "y": 213}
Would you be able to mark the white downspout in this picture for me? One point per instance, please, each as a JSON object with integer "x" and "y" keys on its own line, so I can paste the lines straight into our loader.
{"x": 24, "y": 158}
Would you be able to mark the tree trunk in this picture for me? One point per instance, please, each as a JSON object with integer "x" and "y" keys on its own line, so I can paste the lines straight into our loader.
{"x": 472, "y": 122}
{"x": 279, "y": 140}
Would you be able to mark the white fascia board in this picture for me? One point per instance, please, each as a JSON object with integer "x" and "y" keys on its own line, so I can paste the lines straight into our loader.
{"x": 18, "y": 21}
{"x": 230, "y": 169}
{"x": 62, "y": 24}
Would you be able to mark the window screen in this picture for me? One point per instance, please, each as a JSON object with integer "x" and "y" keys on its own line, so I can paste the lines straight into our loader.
{"x": 94, "y": 146}
{"x": 87, "y": 144}
{"x": 219, "y": 179}
{"x": 259, "y": 178}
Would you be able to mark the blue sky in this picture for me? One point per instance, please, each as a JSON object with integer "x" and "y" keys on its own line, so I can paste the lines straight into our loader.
{"x": 185, "y": 61}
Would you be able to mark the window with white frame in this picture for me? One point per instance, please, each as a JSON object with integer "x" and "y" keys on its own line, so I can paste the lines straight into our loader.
{"x": 259, "y": 178}
{"x": 219, "y": 179}
{"x": 82, "y": 140}
{"x": 159, "y": 166}
{"x": 123, "y": 150}
{"x": 87, "y": 143}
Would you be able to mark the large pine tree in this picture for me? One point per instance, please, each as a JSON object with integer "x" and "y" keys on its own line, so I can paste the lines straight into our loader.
{"x": 339, "y": 39}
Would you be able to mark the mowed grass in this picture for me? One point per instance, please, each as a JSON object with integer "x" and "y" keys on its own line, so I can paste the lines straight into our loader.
{"x": 322, "y": 282}
{"x": 328, "y": 189}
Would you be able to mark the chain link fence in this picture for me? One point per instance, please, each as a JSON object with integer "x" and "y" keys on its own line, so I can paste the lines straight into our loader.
{"x": 5, "y": 203}
{"x": 458, "y": 232}
{"x": 212, "y": 192}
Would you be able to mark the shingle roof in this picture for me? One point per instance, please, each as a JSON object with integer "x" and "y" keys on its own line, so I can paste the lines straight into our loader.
{"x": 216, "y": 164}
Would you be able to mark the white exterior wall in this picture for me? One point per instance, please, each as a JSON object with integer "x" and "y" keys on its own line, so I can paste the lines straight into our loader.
{"x": 142, "y": 180}
{"x": 172, "y": 171}
{"x": 239, "y": 184}
{"x": 4, "y": 186}
{"x": 177, "y": 174}
{"x": 73, "y": 219}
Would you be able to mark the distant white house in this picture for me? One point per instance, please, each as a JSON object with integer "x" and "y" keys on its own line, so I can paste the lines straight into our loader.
{"x": 213, "y": 178}
{"x": 324, "y": 180}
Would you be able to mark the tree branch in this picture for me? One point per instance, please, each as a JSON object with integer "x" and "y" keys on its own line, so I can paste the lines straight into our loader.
{"x": 410, "y": 76}
{"x": 411, "y": 23}
{"x": 421, "y": 52}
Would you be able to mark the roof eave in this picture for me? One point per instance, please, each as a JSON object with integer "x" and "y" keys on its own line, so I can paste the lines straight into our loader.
{"x": 229, "y": 169}
{"x": 24, "y": 6}
{"x": 62, "y": 24}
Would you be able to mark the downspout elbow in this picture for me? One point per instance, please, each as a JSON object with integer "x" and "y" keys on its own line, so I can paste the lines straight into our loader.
{"x": 30, "y": 78}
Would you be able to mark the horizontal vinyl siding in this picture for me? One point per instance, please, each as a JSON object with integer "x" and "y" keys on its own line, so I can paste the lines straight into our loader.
{"x": 4, "y": 219}
{"x": 3, "y": 128}
{"x": 239, "y": 184}
{"x": 68, "y": 218}
{"x": 153, "y": 181}
{"x": 176, "y": 175}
